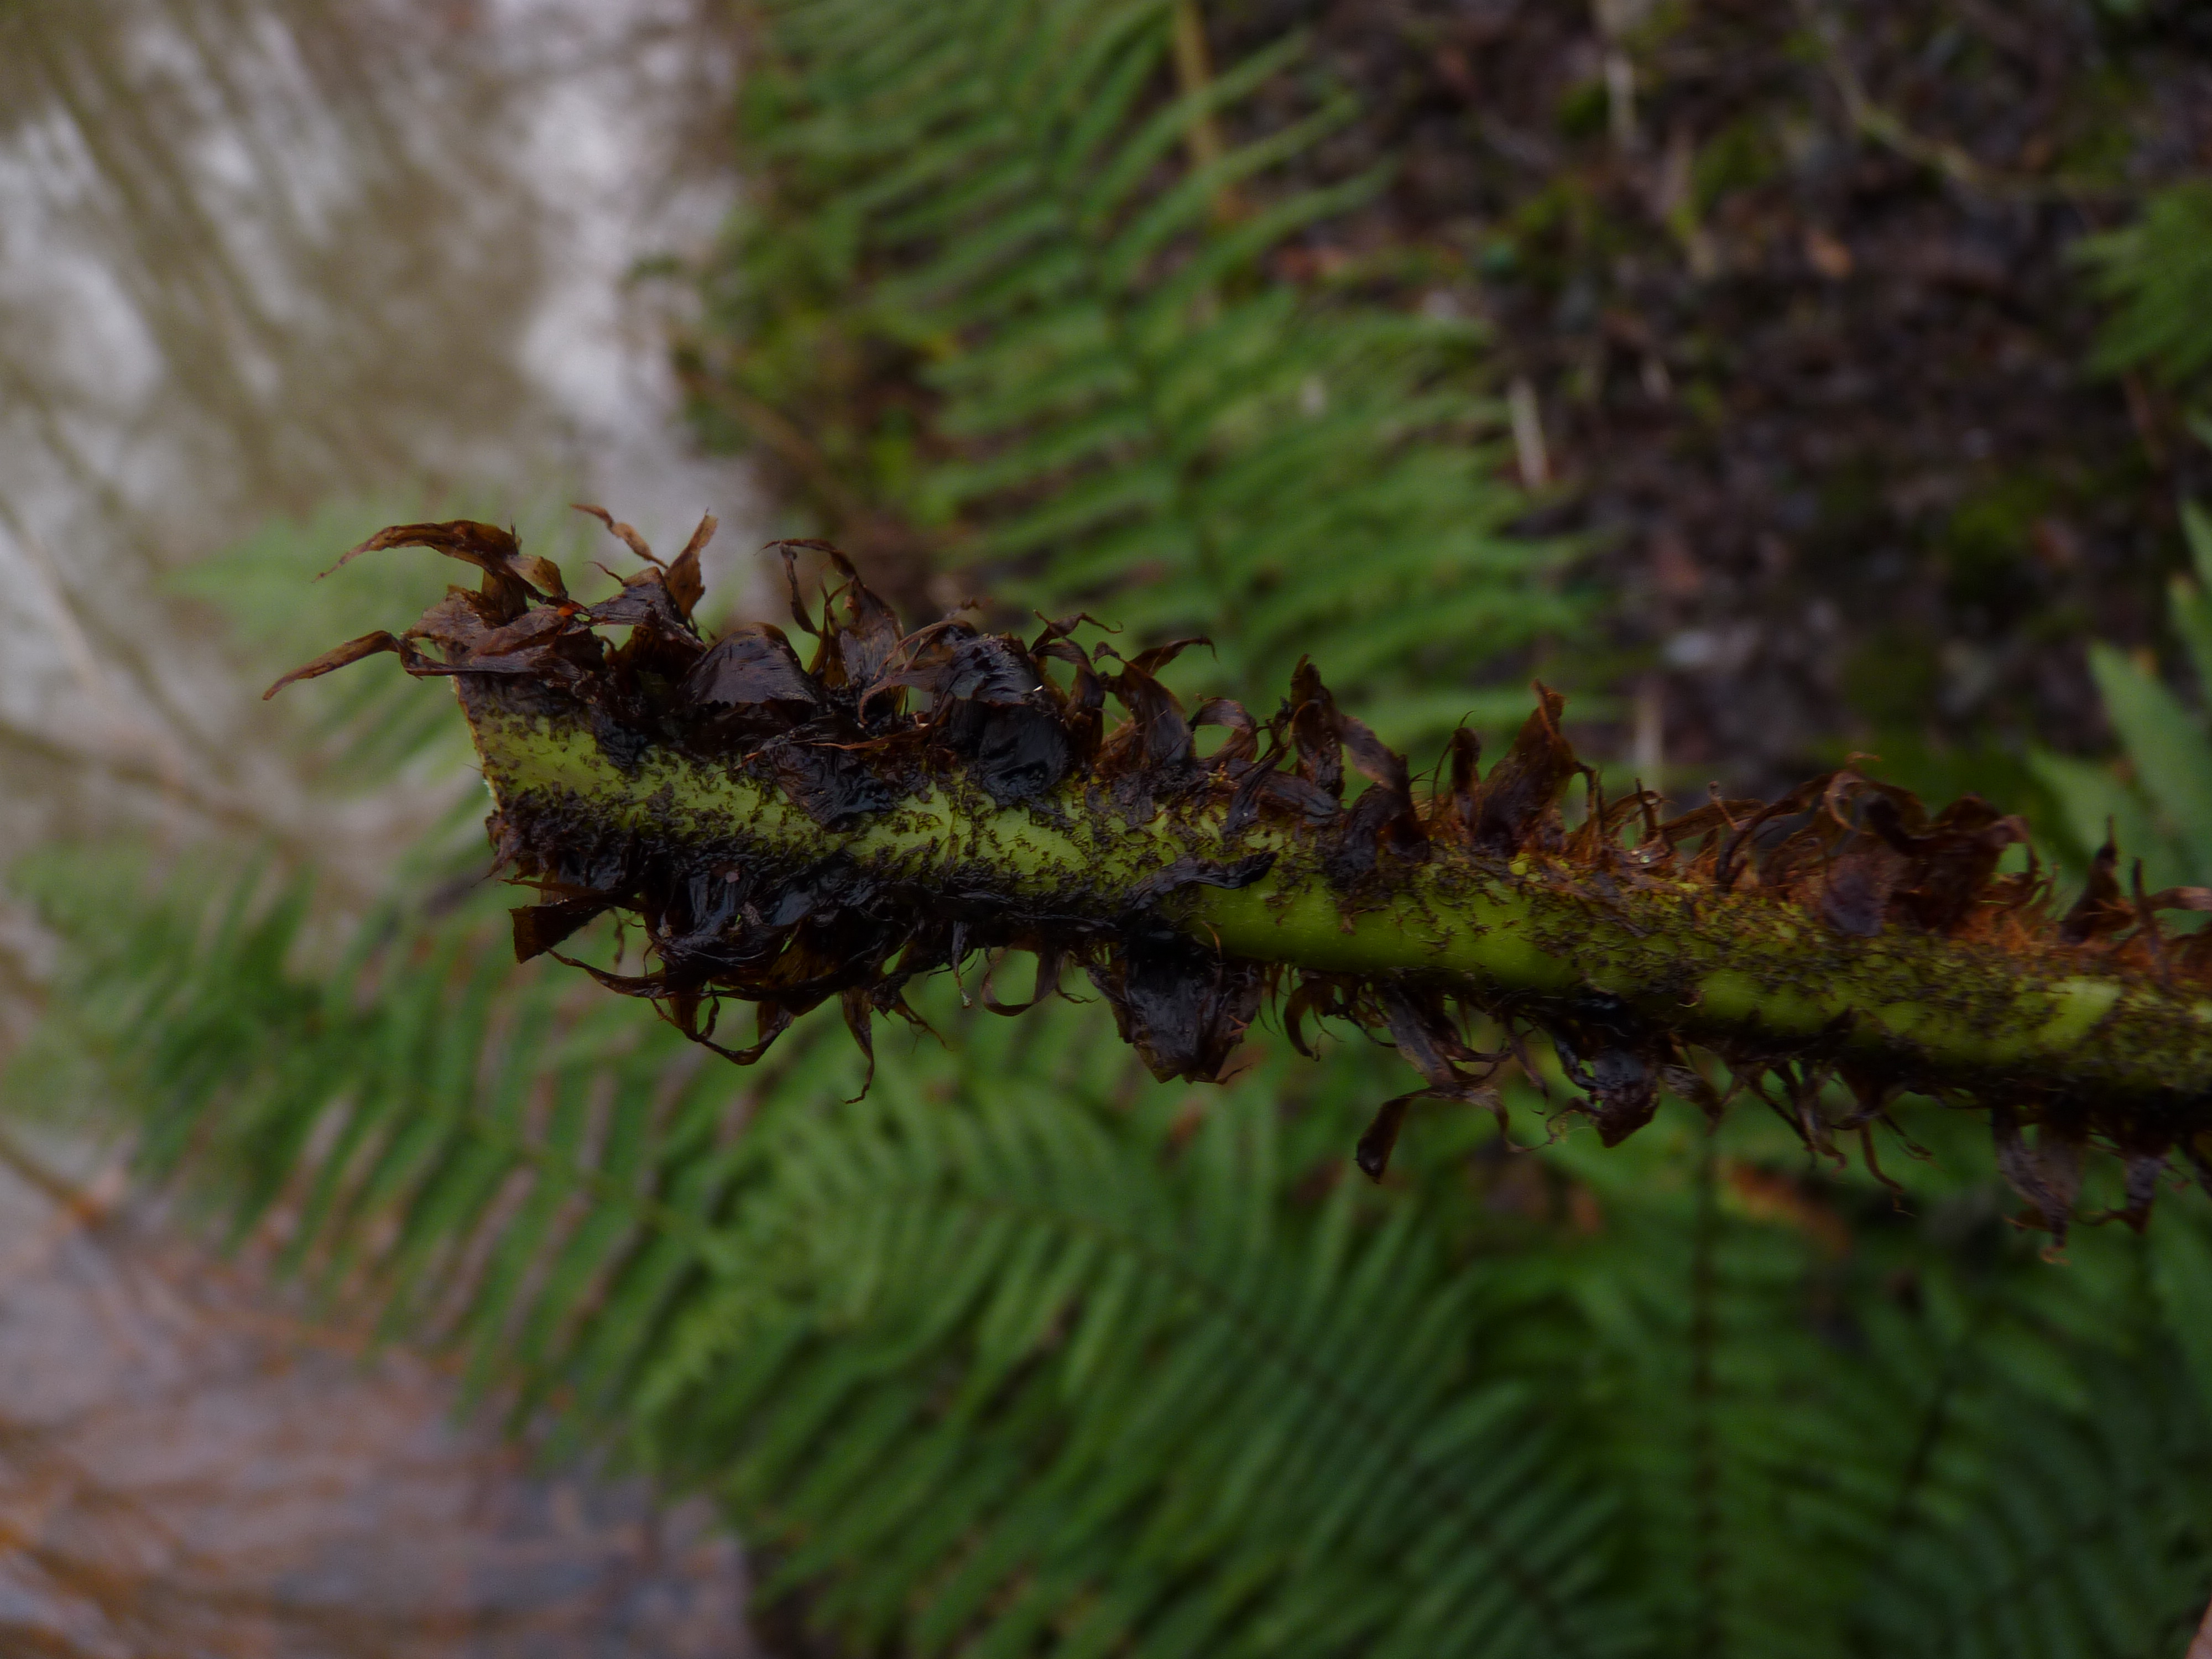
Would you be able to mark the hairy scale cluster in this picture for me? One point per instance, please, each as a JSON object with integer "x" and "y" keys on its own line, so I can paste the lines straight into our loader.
{"x": 901, "y": 803}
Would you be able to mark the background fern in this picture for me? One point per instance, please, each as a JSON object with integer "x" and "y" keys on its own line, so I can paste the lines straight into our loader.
{"x": 2157, "y": 273}
{"x": 2162, "y": 811}
{"x": 1023, "y": 1349}
{"x": 1106, "y": 396}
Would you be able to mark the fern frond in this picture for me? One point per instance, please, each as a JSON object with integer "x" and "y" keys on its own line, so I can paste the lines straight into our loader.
{"x": 2156, "y": 273}
{"x": 1023, "y": 1348}
{"x": 1130, "y": 407}
{"x": 2057, "y": 1536}
{"x": 1823, "y": 1414}
{"x": 1098, "y": 1320}
{"x": 987, "y": 1350}
{"x": 493, "y": 1160}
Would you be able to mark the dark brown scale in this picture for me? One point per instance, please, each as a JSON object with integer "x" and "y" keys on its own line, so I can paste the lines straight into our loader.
{"x": 1182, "y": 1007}
{"x": 1522, "y": 790}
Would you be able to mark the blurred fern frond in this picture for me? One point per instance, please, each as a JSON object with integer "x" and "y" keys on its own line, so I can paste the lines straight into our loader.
{"x": 1166, "y": 1403}
{"x": 986, "y": 1350}
{"x": 1105, "y": 388}
{"x": 2161, "y": 811}
{"x": 2045, "y": 1531}
{"x": 2156, "y": 274}
{"x": 1025, "y": 1352}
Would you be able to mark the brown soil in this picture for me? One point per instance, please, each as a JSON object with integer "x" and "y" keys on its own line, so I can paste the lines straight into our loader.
{"x": 1818, "y": 395}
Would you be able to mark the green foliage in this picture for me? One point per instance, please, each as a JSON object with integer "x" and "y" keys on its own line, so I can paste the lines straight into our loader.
{"x": 2156, "y": 273}
{"x": 2158, "y": 807}
{"x": 983, "y": 204}
{"x": 1025, "y": 1352}
{"x": 1010, "y": 1333}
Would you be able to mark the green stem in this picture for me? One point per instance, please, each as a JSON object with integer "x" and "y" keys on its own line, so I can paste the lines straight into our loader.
{"x": 1727, "y": 969}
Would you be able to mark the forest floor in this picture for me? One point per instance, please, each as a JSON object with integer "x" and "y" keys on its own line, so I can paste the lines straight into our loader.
{"x": 1798, "y": 290}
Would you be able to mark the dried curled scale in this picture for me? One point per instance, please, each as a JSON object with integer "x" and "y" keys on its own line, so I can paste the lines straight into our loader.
{"x": 788, "y": 831}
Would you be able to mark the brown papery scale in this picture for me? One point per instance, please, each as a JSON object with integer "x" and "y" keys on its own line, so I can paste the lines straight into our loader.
{"x": 789, "y": 829}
